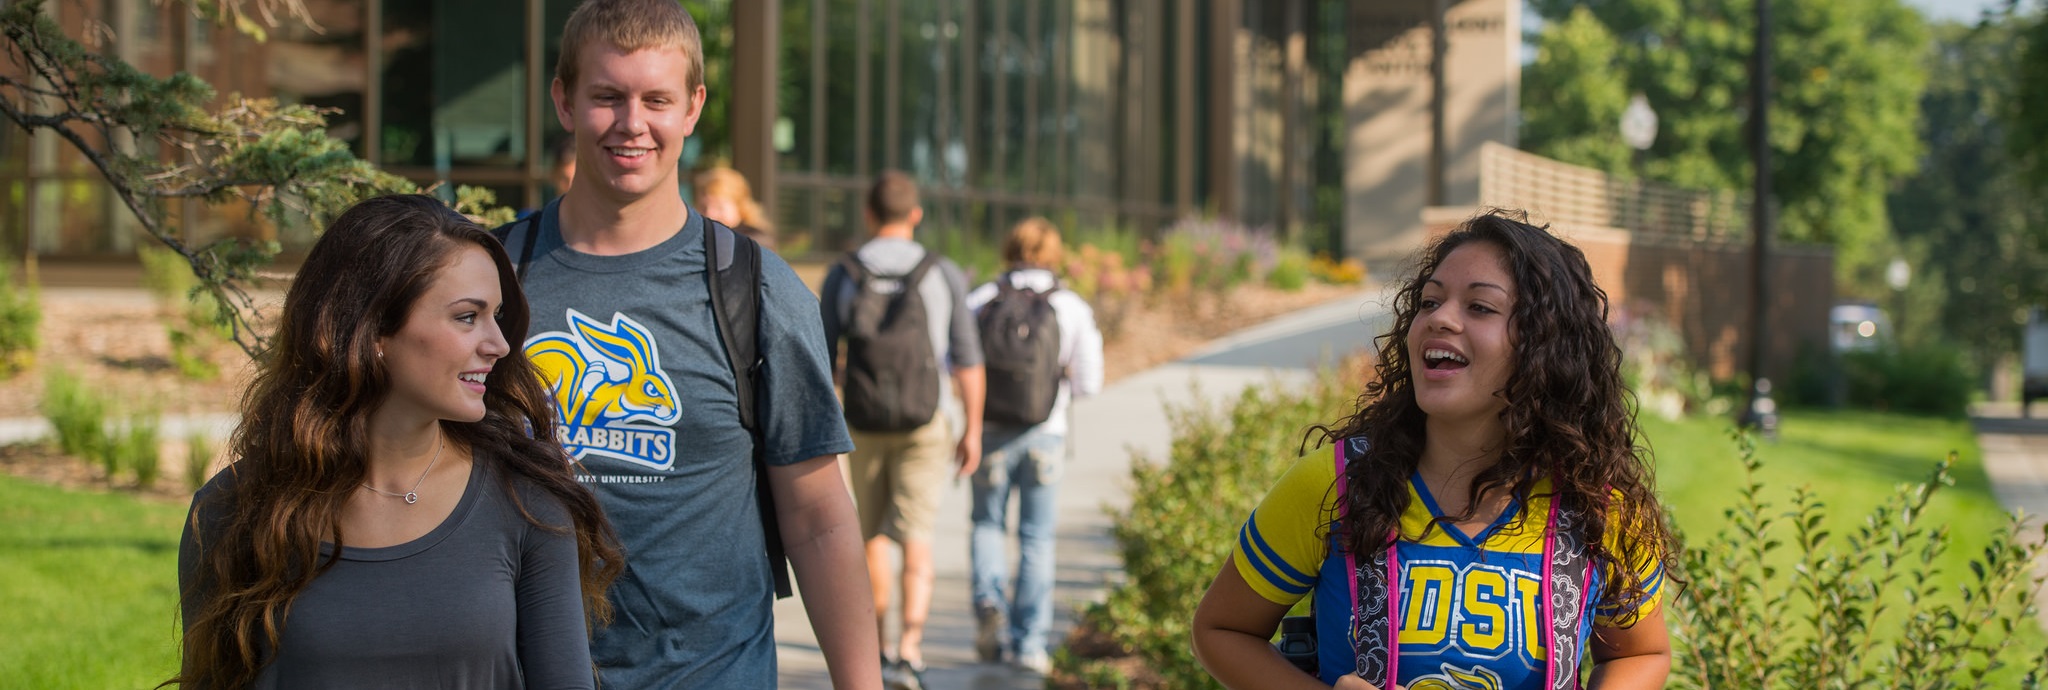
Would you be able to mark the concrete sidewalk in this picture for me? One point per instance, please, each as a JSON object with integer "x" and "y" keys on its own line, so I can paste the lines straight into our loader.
{"x": 2016, "y": 461}
{"x": 1127, "y": 419}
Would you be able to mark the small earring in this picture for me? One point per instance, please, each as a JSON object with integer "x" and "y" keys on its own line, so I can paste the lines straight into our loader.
{"x": 380, "y": 354}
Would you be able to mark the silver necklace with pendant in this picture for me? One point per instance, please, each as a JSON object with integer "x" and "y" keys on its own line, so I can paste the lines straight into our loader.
{"x": 413, "y": 496}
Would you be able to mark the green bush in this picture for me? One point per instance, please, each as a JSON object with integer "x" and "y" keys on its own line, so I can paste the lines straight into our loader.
{"x": 1872, "y": 613}
{"x": 1209, "y": 254}
{"x": 198, "y": 459}
{"x": 20, "y": 313}
{"x": 135, "y": 449}
{"x": 1290, "y": 270}
{"x": 189, "y": 320}
{"x": 1929, "y": 379}
{"x": 1124, "y": 241}
{"x": 979, "y": 258}
{"x": 1178, "y": 529}
{"x": 1177, "y": 263}
{"x": 1655, "y": 366}
{"x": 78, "y": 414}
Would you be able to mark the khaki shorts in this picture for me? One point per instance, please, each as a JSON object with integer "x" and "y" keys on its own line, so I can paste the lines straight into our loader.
{"x": 899, "y": 478}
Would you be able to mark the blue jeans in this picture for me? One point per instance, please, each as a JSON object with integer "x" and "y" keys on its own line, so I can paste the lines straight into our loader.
{"x": 1029, "y": 462}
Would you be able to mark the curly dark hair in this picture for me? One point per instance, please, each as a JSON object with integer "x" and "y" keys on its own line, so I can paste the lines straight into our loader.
{"x": 1569, "y": 417}
{"x": 304, "y": 437}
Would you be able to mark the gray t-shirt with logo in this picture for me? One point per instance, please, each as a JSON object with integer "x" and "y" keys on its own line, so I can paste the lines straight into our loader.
{"x": 650, "y": 408}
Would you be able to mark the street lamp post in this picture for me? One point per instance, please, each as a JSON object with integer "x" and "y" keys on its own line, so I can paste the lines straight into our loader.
{"x": 1760, "y": 212}
{"x": 1639, "y": 128}
{"x": 1639, "y": 131}
{"x": 1897, "y": 275}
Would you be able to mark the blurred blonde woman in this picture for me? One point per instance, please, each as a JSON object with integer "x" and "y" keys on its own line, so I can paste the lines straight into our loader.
{"x": 723, "y": 195}
{"x": 1043, "y": 352}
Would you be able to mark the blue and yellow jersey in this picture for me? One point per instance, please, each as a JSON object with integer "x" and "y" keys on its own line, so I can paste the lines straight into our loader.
{"x": 1469, "y": 615}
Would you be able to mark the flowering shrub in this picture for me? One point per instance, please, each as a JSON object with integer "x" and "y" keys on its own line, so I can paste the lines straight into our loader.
{"x": 1350, "y": 271}
{"x": 1291, "y": 271}
{"x": 1212, "y": 254}
{"x": 1109, "y": 285}
{"x": 1655, "y": 366}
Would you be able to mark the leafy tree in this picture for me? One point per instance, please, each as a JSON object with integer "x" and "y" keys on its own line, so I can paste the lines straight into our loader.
{"x": 2028, "y": 110}
{"x": 1847, "y": 79}
{"x": 1583, "y": 90}
{"x": 162, "y": 139}
{"x": 1969, "y": 206}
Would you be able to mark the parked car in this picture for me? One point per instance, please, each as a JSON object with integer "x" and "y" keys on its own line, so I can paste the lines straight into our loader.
{"x": 1857, "y": 327}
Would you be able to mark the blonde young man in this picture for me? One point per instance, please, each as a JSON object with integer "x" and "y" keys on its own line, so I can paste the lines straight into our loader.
{"x": 916, "y": 418}
{"x": 624, "y": 331}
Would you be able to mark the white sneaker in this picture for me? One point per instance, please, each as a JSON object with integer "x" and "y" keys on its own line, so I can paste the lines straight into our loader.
{"x": 1035, "y": 662}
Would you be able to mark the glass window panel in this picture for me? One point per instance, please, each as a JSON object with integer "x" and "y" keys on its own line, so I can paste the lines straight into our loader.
{"x": 793, "y": 99}
{"x": 326, "y": 69}
{"x": 713, "y": 137}
{"x": 13, "y": 221}
{"x": 454, "y": 81}
{"x": 843, "y": 22}
{"x": 924, "y": 58}
{"x": 1327, "y": 62}
{"x": 1093, "y": 66}
{"x": 13, "y": 149}
{"x": 71, "y": 216}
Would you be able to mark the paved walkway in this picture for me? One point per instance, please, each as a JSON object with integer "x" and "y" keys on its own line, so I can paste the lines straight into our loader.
{"x": 2016, "y": 460}
{"x": 1128, "y": 418}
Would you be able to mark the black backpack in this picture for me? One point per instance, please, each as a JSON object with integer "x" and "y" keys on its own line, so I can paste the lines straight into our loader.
{"x": 735, "y": 288}
{"x": 892, "y": 375}
{"x": 1020, "y": 336}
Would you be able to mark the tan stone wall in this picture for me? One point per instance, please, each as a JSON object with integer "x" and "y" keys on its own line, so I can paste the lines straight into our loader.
{"x": 1388, "y": 92}
{"x": 1386, "y": 105}
{"x": 1483, "y": 84}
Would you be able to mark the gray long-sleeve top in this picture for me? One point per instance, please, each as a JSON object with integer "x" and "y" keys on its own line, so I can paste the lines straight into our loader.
{"x": 485, "y": 600}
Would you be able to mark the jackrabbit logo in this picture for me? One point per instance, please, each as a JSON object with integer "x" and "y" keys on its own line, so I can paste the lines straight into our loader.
{"x": 611, "y": 396}
{"x": 1451, "y": 677}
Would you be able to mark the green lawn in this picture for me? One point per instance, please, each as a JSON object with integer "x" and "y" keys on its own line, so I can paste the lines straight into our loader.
{"x": 1852, "y": 460}
{"x": 88, "y": 589}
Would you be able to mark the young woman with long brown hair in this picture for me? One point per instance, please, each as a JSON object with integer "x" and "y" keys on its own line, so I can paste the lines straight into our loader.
{"x": 398, "y": 513}
{"x": 1485, "y": 514}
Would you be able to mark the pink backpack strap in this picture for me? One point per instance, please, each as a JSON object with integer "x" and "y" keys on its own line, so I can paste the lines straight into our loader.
{"x": 1393, "y": 581}
{"x": 1344, "y": 511}
{"x": 1562, "y": 549}
{"x": 1543, "y": 604}
{"x": 1393, "y": 613}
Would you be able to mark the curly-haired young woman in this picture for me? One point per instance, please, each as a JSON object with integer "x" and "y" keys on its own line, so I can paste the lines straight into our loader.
{"x": 1485, "y": 519}
{"x": 398, "y": 514}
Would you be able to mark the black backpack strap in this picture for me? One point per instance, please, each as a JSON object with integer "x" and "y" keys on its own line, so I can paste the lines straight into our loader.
{"x": 735, "y": 284}
{"x": 915, "y": 278}
{"x": 530, "y": 231}
{"x": 855, "y": 271}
